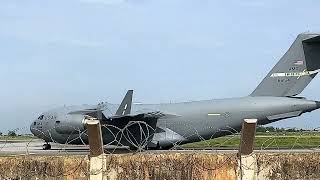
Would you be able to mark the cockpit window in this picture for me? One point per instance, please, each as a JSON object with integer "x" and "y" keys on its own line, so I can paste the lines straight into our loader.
{"x": 40, "y": 117}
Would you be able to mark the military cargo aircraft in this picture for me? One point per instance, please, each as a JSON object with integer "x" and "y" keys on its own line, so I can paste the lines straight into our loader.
{"x": 161, "y": 126}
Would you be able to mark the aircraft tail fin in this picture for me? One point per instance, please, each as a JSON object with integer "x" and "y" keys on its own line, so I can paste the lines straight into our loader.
{"x": 295, "y": 70}
{"x": 125, "y": 106}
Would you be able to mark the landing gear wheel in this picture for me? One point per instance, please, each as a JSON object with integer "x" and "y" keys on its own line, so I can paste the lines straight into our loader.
{"x": 46, "y": 146}
{"x": 157, "y": 147}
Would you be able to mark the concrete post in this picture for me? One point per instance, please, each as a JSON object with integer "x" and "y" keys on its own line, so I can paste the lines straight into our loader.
{"x": 97, "y": 159}
{"x": 248, "y": 134}
{"x": 247, "y": 159}
{"x": 95, "y": 137}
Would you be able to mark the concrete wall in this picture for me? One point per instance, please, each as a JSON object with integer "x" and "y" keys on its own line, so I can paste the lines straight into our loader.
{"x": 162, "y": 166}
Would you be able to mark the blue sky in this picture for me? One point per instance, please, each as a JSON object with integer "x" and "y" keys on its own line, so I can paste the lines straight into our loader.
{"x": 55, "y": 53}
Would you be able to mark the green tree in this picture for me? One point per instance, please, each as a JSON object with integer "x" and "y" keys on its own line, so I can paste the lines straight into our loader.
{"x": 291, "y": 130}
{"x": 12, "y": 133}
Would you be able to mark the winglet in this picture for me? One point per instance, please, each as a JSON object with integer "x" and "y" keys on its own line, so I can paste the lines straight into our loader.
{"x": 125, "y": 106}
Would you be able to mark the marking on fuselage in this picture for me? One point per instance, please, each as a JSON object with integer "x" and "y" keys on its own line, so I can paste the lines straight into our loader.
{"x": 214, "y": 114}
{"x": 295, "y": 74}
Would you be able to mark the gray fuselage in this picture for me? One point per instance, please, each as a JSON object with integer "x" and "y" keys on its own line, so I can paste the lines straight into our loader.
{"x": 192, "y": 121}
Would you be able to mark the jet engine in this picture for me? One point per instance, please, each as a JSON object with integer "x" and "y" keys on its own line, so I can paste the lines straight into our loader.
{"x": 70, "y": 124}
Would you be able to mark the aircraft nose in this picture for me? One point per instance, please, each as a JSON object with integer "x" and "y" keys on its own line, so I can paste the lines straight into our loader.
{"x": 33, "y": 128}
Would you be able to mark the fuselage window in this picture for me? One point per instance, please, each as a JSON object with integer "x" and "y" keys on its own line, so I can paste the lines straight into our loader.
{"x": 40, "y": 117}
{"x": 34, "y": 123}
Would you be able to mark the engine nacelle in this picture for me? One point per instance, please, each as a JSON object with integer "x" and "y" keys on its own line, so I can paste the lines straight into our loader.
{"x": 70, "y": 124}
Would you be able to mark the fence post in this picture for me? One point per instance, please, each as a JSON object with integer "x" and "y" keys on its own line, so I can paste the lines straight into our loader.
{"x": 97, "y": 161}
{"x": 247, "y": 159}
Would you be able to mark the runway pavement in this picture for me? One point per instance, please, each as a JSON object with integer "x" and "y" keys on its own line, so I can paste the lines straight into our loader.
{"x": 34, "y": 147}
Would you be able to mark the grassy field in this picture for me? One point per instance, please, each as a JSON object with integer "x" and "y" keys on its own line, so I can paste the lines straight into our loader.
{"x": 264, "y": 140}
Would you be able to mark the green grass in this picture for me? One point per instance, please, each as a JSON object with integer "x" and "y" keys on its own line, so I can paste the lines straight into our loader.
{"x": 263, "y": 141}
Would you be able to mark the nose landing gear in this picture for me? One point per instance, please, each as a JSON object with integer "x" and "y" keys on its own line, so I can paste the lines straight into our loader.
{"x": 46, "y": 146}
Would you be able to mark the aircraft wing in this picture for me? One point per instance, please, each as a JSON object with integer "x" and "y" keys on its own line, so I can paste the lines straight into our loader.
{"x": 93, "y": 112}
{"x": 124, "y": 108}
{"x": 139, "y": 127}
{"x": 124, "y": 112}
{"x": 143, "y": 116}
{"x": 131, "y": 117}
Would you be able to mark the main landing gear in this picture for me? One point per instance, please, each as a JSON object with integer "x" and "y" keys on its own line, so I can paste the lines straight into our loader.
{"x": 46, "y": 146}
